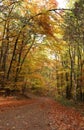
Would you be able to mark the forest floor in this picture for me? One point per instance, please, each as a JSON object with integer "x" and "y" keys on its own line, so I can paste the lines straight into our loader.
{"x": 38, "y": 113}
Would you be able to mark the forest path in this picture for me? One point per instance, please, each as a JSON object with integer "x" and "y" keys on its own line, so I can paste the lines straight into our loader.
{"x": 39, "y": 114}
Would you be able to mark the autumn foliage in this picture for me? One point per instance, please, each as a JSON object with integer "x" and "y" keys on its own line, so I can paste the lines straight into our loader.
{"x": 41, "y": 48}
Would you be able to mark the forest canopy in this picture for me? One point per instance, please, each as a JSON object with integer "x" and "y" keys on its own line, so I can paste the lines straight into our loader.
{"x": 41, "y": 47}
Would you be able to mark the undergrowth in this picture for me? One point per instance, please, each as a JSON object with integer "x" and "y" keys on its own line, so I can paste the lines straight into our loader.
{"x": 65, "y": 102}
{"x": 79, "y": 106}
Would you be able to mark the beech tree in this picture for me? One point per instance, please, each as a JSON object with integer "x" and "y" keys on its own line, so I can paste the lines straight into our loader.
{"x": 73, "y": 34}
{"x": 20, "y": 22}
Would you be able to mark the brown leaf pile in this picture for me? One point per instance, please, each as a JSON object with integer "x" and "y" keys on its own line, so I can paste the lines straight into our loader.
{"x": 12, "y": 102}
{"x": 64, "y": 118}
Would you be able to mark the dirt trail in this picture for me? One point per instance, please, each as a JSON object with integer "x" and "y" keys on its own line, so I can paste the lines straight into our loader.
{"x": 31, "y": 116}
{"x": 39, "y": 114}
